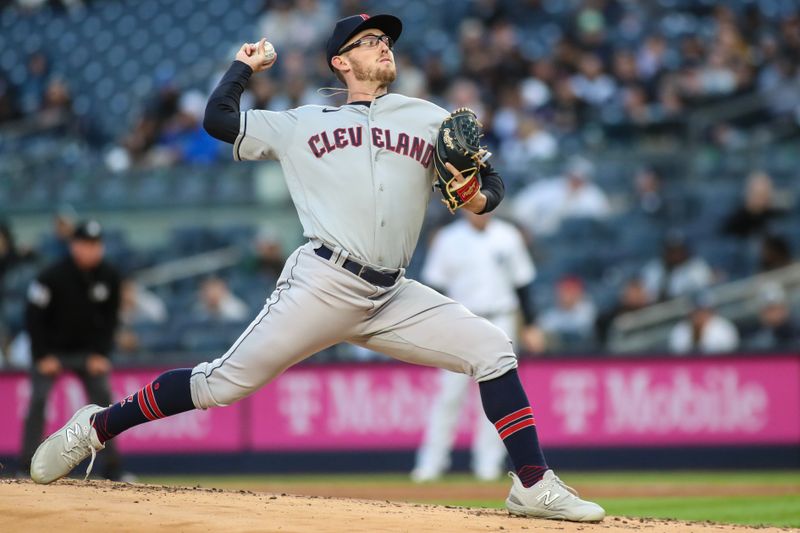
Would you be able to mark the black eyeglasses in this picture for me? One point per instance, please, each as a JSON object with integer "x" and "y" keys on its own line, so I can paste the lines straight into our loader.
{"x": 369, "y": 41}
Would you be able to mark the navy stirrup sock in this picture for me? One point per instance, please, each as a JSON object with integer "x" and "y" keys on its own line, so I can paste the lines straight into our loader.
{"x": 506, "y": 404}
{"x": 168, "y": 394}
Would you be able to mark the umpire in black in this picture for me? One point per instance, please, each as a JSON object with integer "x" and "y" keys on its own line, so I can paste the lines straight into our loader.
{"x": 71, "y": 316}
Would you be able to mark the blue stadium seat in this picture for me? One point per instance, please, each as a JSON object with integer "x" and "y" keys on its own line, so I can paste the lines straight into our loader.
{"x": 585, "y": 230}
{"x": 155, "y": 338}
{"x": 210, "y": 337}
{"x": 194, "y": 239}
{"x": 242, "y": 235}
{"x": 731, "y": 256}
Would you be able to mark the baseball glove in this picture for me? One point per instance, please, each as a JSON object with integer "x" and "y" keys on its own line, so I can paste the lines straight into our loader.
{"x": 458, "y": 143}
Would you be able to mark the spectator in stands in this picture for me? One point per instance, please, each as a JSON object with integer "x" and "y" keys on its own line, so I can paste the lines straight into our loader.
{"x": 9, "y": 107}
{"x": 295, "y": 25}
{"x": 10, "y": 256}
{"x": 413, "y": 81}
{"x": 260, "y": 93}
{"x": 541, "y": 206}
{"x": 624, "y": 68}
{"x": 57, "y": 5}
{"x": 677, "y": 272}
{"x": 757, "y": 210}
{"x": 649, "y": 196}
{"x": 704, "y": 331}
{"x": 475, "y": 55}
{"x": 536, "y": 88}
{"x": 565, "y": 112}
{"x": 183, "y": 138}
{"x": 508, "y": 64}
{"x": 295, "y": 90}
{"x": 32, "y": 91}
{"x": 671, "y": 105}
{"x": 651, "y": 58}
{"x": 436, "y": 74}
{"x": 779, "y": 83}
{"x": 591, "y": 84}
{"x": 776, "y": 329}
{"x": 632, "y": 297}
{"x": 570, "y": 324}
{"x": 56, "y": 244}
{"x": 159, "y": 110}
{"x": 464, "y": 92}
{"x": 137, "y": 306}
{"x": 217, "y": 303}
{"x": 530, "y": 143}
{"x": 775, "y": 253}
{"x": 267, "y": 256}
{"x": 55, "y": 112}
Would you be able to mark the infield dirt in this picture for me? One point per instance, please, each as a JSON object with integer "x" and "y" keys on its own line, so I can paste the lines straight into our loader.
{"x": 102, "y": 506}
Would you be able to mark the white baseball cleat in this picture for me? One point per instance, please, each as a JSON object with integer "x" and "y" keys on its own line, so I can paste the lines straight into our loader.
{"x": 67, "y": 447}
{"x": 551, "y": 498}
{"x": 487, "y": 475}
{"x": 425, "y": 475}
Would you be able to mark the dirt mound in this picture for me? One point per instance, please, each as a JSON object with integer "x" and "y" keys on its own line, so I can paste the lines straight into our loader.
{"x": 102, "y": 506}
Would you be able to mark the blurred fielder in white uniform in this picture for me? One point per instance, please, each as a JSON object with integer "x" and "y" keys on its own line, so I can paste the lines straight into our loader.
{"x": 482, "y": 263}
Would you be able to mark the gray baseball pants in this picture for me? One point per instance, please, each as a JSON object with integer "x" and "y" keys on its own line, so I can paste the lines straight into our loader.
{"x": 317, "y": 304}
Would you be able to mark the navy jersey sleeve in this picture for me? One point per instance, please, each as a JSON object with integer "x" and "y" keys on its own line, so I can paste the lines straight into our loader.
{"x": 222, "y": 117}
{"x": 492, "y": 186}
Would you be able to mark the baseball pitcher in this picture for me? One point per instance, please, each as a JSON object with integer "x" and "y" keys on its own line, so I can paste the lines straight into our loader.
{"x": 360, "y": 176}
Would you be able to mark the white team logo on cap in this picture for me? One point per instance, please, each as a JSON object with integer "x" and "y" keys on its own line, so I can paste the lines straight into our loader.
{"x": 100, "y": 292}
{"x": 93, "y": 228}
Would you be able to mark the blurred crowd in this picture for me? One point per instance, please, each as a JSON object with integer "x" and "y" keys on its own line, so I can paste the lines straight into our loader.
{"x": 543, "y": 77}
{"x": 43, "y": 102}
{"x": 547, "y": 79}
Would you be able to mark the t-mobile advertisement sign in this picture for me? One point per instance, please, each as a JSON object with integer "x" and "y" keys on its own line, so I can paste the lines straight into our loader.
{"x": 200, "y": 431}
{"x": 579, "y": 403}
{"x": 709, "y": 401}
{"x": 575, "y": 403}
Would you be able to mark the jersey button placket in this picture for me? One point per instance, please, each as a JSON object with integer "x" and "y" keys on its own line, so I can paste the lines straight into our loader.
{"x": 378, "y": 205}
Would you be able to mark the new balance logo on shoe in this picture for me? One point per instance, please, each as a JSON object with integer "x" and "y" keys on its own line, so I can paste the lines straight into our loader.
{"x": 548, "y": 496}
{"x": 75, "y": 432}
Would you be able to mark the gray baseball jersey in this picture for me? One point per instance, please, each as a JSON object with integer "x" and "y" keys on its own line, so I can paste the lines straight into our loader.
{"x": 360, "y": 176}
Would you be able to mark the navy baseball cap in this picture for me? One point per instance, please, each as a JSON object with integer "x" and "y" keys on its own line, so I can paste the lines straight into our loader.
{"x": 349, "y": 26}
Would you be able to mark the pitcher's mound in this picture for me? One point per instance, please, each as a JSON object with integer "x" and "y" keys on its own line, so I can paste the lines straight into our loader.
{"x": 102, "y": 506}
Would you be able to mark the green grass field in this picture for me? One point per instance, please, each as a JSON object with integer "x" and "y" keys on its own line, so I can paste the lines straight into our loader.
{"x": 750, "y": 498}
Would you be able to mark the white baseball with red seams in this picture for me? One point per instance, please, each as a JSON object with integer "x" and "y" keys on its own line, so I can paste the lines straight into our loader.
{"x": 268, "y": 52}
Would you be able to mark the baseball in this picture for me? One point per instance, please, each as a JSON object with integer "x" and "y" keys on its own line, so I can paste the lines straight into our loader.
{"x": 269, "y": 52}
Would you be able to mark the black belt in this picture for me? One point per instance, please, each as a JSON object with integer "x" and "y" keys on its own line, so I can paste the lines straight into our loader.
{"x": 381, "y": 279}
